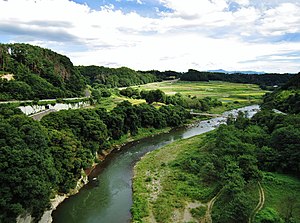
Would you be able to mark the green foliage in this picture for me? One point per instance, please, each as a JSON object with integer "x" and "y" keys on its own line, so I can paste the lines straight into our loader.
{"x": 268, "y": 215}
{"x": 286, "y": 99}
{"x": 139, "y": 209}
{"x": 203, "y": 104}
{"x": 115, "y": 77}
{"x": 39, "y": 73}
{"x": 198, "y": 212}
{"x": 130, "y": 92}
{"x": 27, "y": 171}
{"x": 153, "y": 96}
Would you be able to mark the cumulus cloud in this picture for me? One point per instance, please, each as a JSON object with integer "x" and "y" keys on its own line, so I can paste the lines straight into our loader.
{"x": 206, "y": 34}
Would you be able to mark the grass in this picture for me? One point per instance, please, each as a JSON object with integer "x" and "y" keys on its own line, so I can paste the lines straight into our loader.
{"x": 282, "y": 193}
{"x": 225, "y": 91}
{"x": 160, "y": 189}
{"x": 112, "y": 101}
{"x": 233, "y": 95}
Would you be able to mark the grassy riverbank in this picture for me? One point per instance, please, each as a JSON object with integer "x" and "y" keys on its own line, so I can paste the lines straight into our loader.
{"x": 142, "y": 133}
{"x": 164, "y": 192}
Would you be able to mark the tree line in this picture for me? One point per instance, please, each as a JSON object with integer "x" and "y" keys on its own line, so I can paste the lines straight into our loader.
{"x": 114, "y": 77}
{"x": 265, "y": 81}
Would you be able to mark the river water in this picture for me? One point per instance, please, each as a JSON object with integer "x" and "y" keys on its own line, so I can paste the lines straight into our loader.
{"x": 107, "y": 198}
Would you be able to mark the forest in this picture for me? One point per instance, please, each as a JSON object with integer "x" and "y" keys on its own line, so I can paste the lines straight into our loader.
{"x": 37, "y": 73}
{"x": 114, "y": 77}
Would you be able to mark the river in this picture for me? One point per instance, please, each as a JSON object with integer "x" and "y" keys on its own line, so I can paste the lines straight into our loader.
{"x": 107, "y": 198}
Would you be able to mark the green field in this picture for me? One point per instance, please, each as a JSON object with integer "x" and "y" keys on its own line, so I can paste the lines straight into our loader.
{"x": 114, "y": 99}
{"x": 224, "y": 91}
{"x": 231, "y": 94}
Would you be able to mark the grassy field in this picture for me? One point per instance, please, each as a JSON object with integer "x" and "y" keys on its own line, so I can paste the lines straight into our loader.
{"x": 114, "y": 99}
{"x": 232, "y": 95}
{"x": 224, "y": 91}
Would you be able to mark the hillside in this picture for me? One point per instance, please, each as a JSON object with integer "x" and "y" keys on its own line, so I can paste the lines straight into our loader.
{"x": 35, "y": 72}
{"x": 287, "y": 98}
{"x": 115, "y": 77}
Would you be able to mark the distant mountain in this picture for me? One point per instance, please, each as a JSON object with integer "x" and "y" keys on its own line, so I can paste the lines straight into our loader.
{"x": 235, "y": 72}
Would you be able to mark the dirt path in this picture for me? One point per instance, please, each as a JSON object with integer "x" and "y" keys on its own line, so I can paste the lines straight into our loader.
{"x": 207, "y": 217}
{"x": 260, "y": 204}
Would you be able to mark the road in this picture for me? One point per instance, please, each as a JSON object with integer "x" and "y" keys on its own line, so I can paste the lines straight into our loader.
{"x": 38, "y": 116}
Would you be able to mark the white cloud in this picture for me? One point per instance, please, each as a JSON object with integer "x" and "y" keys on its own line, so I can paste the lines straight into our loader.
{"x": 195, "y": 34}
{"x": 280, "y": 20}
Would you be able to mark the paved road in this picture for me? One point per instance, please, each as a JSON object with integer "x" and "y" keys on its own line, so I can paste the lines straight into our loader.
{"x": 38, "y": 116}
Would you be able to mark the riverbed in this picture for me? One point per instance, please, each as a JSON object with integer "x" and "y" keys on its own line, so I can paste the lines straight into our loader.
{"x": 107, "y": 198}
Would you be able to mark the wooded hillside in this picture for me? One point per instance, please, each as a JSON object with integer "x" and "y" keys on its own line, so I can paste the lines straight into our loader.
{"x": 37, "y": 73}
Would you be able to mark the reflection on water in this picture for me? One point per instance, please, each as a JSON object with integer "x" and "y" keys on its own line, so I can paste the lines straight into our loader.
{"x": 109, "y": 199}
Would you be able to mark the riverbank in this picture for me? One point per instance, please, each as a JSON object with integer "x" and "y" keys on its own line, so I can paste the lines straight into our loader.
{"x": 179, "y": 183}
{"x": 116, "y": 145}
{"x": 54, "y": 202}
{"x": 157, "y": 195}
{"x": 163, "y": 193}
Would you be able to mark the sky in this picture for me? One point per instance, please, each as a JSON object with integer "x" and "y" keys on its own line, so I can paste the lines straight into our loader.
{"x": 257, "y": 35}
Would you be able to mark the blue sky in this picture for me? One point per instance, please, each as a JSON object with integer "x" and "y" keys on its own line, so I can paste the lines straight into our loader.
{"x": 261, "y": 35}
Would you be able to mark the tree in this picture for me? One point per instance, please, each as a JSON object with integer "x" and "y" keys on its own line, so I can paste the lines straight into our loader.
{"x": 154, "y": 96}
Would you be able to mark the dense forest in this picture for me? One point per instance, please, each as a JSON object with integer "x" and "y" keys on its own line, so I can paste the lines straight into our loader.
{"x": 37, "y": 73}
{"x": 39, "y": 159}
{"x": 163, "y": 75}
{"x": 114, "y": 77}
